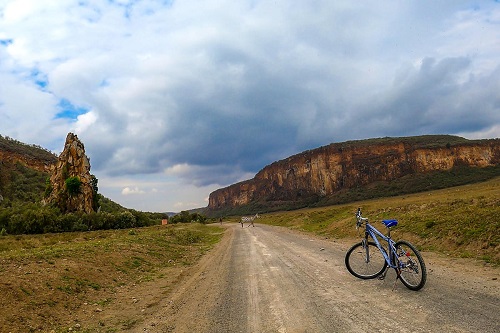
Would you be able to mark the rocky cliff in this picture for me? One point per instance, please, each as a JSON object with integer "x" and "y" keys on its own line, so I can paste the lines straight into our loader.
{"x": 327, "y": 170}
{"x": 71, "y": 183}
{"x": 33, "y": 157}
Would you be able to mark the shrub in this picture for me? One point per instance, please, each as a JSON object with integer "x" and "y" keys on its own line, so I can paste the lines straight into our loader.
{"x": 73, "y": 185}
{"x": 63, "y": 223}
{"x": 48, "y": 187}
{"x": 124, "y": 220}
{"x": 186, "y": 217}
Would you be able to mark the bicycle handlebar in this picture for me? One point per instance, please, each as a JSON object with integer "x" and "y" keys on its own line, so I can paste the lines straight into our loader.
{"x": 359, "y": 218}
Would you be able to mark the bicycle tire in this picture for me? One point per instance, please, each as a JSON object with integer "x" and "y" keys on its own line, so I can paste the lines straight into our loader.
{"x": 411, "y": 270}
{"x": 357, "y": 264}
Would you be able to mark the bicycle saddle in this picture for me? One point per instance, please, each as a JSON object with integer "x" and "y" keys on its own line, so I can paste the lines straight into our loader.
{"x": 390, "y": 223}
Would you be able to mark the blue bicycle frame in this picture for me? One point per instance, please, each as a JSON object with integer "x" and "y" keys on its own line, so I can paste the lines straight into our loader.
{"x": 373, "y": 233}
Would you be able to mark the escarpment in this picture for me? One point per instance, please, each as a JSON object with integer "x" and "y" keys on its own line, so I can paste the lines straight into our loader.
{"x": 41, "y": 161}
{"x": 326, "y": 171}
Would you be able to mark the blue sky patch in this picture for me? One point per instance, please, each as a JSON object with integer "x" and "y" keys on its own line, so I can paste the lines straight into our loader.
{"x": 5, "y": 42}
{"x": 39, "y": 78}
{"x": 69, "y": 110}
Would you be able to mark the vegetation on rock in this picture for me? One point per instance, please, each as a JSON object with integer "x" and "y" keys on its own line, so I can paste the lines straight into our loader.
{"x": 22, "y": 190}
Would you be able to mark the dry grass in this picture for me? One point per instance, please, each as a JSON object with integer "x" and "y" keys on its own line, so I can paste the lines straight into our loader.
{"x": 56, "y": 281}
{"x": 463, "y": 221}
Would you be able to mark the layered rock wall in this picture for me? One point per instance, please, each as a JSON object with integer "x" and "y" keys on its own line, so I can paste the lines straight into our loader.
{"x": 42, "y": 165}
{"x": 324, "y": 171}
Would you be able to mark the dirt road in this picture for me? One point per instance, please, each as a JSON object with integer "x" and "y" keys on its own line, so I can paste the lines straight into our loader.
{"x": 269, "y": 279}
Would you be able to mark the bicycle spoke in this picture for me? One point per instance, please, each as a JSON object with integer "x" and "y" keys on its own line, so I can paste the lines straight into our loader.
{"x": 365, "y": 261}
{"x": 412, "y": 269}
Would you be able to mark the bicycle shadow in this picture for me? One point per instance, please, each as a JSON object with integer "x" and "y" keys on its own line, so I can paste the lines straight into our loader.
{"x": 390, "y": 282}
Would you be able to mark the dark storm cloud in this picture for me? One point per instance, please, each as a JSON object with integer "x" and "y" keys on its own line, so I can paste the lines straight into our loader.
{"x": 436, "y": 97}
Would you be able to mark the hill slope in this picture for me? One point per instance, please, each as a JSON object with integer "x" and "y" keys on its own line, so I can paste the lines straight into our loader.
{"x": 354, "y": 170}
{"x": 23, "y": 171}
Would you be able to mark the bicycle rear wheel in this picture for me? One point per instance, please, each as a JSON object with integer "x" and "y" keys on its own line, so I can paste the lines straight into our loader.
{"x": 365, "y": 261}
{"x": 412, "y": 271}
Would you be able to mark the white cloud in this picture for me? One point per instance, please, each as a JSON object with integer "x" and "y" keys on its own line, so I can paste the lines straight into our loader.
{"x": 134, "y": 190}
{"x": 492, "y": 132}
{"x": 84, "y": 121}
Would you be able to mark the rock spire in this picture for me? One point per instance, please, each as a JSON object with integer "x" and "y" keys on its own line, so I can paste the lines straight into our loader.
{"x": 71, "y": 184}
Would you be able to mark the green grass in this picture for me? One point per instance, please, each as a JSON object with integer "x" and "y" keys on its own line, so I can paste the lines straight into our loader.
{"x": 462, "y": 220}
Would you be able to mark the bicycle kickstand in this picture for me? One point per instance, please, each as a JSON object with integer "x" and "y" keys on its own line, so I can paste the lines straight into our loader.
{"x": 382, "y": 276}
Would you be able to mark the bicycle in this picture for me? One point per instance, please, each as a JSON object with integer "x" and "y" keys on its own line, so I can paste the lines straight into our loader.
{"x": 369, "y": 259}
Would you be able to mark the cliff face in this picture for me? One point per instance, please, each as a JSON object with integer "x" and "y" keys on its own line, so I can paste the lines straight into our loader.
{"x": 42, "y": 165}
{"x": 324, "y": 171}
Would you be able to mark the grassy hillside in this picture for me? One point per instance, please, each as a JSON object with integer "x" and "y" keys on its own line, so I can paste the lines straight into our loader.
{"x": 20, "y": 184}
{"x": 462, "y": 221}
{"x": 11, "y": 145}
{"x": 418, "y": 142}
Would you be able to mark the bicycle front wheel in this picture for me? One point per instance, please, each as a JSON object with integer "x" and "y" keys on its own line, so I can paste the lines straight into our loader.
{"x": 412, "y": 271}
{"x": 365, "y": 261}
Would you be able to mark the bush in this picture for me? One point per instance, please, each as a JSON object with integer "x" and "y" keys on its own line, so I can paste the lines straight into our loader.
{"x": 73, "y": 185}
{"x": 186, "y": 217}
{"x": 63, "y": 223}
{"x": 124, "y": 220}
{"x": 35, "y": 219}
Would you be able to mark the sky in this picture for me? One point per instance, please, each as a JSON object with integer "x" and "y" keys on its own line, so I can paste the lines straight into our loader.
{"x": 175, "y": 99}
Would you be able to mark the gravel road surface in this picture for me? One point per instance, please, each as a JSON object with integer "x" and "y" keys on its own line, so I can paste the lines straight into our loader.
{"x": 270, "y": 279}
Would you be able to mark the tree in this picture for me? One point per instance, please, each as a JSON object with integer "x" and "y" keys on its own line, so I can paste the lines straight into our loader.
{"x": 95, "y": 196}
